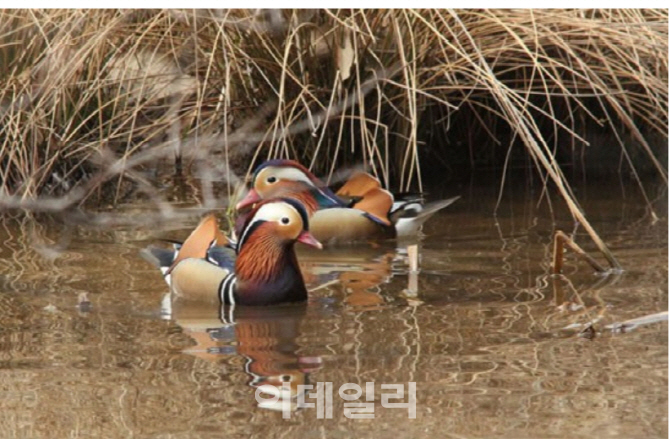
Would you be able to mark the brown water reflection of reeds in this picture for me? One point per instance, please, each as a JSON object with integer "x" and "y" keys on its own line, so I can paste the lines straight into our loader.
{"x": 467, "y": 365}
{"x": 490, "y": 342}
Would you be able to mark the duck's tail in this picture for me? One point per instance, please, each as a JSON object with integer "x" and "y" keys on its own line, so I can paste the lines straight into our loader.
{"x": 409, "y": 214}
{"x": 160, "y": 257}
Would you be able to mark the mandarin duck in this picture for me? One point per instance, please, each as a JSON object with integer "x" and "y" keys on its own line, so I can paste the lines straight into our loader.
{"x": 360, "y": 209}
{"x": 262, "y": 269}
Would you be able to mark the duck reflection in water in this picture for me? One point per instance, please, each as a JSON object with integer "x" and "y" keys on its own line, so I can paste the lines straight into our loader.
{"x": 356, "y": 271}
{"x": 264, "y": 336}
{"x": 267, "y": 336}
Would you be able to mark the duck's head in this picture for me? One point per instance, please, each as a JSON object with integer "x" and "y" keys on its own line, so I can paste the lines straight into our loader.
{"x": 286, "y": 178}
{"x": 266, "y": 267}
{"x": 277, "y": 222}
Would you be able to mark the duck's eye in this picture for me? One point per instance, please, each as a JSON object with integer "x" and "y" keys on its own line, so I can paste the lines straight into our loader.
{"x": 285, "y": 220}
{"x": 272, "y": 179}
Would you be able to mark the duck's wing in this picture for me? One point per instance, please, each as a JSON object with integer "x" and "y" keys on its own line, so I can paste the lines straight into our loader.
{"x": 376, "y": 203}
{"x": 357, "y": 185}
{"x": 221, "y": 256}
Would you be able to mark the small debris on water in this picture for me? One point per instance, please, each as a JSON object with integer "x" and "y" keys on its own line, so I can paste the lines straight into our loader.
{"x": 83, "y": 304}
{"x": 589, "y": 333}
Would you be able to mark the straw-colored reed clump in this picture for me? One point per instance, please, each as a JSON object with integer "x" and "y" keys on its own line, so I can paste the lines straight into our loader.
{"x": 89, "y": 96}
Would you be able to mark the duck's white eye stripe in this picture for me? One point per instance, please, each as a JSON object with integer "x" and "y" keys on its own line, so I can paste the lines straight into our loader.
{"x": 277, "y": 212}
{"x": 293, "y": 174}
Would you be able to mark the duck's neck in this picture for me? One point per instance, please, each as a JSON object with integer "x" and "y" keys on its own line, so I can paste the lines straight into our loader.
{"x": 326, "y": 198}
{"x": 312, "y": 197}
{"x": 307, "y": 198}
{"x": 267, "y": 273}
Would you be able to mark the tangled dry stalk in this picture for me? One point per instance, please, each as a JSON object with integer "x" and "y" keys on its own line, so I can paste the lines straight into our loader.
{"x": 93, "y": 99}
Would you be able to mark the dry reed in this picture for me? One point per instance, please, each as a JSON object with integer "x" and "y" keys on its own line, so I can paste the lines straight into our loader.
{"x": 89, "y": 97}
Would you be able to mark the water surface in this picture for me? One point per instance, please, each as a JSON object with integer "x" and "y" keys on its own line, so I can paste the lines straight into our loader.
{"x": 497, "y": 347}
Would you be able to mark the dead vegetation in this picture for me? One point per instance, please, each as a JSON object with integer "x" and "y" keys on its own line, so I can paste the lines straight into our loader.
{"x": 92, "y": 100}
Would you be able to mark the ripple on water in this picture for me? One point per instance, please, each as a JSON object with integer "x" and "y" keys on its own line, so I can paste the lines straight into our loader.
{"x": 490, "y": 339}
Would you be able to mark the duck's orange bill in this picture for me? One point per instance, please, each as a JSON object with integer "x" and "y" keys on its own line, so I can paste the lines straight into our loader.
{"x": 251, "y": 198}
{"x": 306, "y": 238}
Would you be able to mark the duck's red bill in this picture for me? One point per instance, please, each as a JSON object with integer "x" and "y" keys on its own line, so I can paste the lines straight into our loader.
{"x": 307, "y": 238}
{"x": 251, "y": 198}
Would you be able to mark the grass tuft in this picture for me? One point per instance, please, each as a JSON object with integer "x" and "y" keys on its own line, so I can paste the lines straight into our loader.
{"x": 93, "y": 99}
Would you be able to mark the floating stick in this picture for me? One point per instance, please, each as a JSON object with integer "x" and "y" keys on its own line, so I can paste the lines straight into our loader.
{"x": 560, "y": 240}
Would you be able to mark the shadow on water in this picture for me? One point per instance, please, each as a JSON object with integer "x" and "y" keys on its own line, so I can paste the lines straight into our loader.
{"x": 496, "y": 345}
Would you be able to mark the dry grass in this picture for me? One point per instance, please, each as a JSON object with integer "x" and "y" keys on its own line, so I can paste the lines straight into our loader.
{"x": 100, "y": 96}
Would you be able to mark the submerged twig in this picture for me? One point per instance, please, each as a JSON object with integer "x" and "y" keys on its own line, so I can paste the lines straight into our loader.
{"x": 413, "y": 275}
{"x": 561, "y": 240}
{"x": 630, "y": 325}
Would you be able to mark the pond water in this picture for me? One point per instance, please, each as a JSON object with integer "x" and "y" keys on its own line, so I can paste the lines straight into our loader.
{"x": 493, "y": 344}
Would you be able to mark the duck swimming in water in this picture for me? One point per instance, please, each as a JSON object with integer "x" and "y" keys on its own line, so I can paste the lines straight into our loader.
{"x": 260, "y": 269}
{"x": 360, "y": 209}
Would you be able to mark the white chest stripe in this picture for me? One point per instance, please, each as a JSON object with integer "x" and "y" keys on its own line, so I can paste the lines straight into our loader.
{"x": 228, "y": 289}
{"x": 244, "y": 234}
